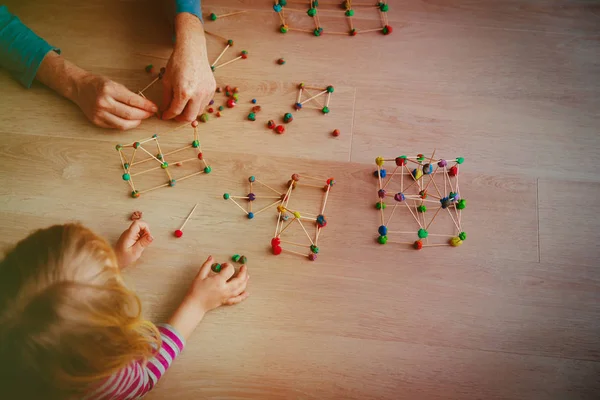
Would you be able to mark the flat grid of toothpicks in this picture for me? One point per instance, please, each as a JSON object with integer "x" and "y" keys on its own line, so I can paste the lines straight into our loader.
{"x": 427, "y": 187}
{"x": 130, "y": 164}
{"x": 287, "y": 217}
{"x": 316, "y": 7}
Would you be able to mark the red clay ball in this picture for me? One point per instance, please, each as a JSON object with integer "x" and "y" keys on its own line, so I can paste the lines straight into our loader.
{"x": 199, "y": 156}
{"x": 277, "y": 250}
{"x": 178, "y": 233}
{"x": 275, "y": 242}
{"x": 336, "y": 132}
{"x": 280, "y": 129}
{"x": 230, "y": 103}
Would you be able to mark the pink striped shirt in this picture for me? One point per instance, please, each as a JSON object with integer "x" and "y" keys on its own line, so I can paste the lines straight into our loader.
{"x": 137, "y": 379}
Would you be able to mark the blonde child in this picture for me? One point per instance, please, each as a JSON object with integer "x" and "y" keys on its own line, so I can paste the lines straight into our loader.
{"x": 70, "y": 328}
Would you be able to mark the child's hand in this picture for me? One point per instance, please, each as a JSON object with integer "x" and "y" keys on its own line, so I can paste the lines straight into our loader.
{"x": 132, "y": 243}
{"x": 211, "y": 290}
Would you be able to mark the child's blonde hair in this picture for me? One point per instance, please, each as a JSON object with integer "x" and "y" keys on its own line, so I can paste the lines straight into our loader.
{"x": 66, "y": 318}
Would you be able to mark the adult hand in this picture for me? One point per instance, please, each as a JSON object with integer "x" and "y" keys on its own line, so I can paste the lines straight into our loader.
{"x": 188, "y": 83}
{"x": 109, "y": 104}
{"x": 132, "y": 243}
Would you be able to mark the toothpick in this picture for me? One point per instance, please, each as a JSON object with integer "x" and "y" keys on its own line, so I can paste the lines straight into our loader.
{"x": 305, "y": 231}
{"x": 391, "y": 215}
{"x": 294, "y": 243}
{"x": 150, "y": 154}
{"x": 228, "y": 62}
{"x": 241, "y": 208}
{"x": 154, "y": 188}
{"x": 434, "y": 215}
{"x": 325, "y": 201}
{"x": 294, "y": 252}
{"x": 287, "y": 226}
{"x": 414, "y": 216}
{"x": 189, "y": 176}
{"x": 150, "y": 84}
{"x": 267, "y": 186}
{"x": 230, "y": 14}
{"x": 220, "y": 55}
{"x": 315, "y": 96}
{"x": 267, "y": 207}
{"x": 188, "y": 217}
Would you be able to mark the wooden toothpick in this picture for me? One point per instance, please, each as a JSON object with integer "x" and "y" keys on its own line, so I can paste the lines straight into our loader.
{"x": 188, "y": 217}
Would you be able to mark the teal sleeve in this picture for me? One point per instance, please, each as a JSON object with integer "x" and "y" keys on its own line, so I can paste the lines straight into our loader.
{"x": 21, "y": 50}
{"x": 190, "y": 6}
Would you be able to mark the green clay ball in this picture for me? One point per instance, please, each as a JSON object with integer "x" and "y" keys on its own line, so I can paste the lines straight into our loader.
{"x": 126, "y": 177}
{"x": 135, "y": 194}
{"x": 243, "y": 260}
{"x": 235, "y": 257}
{"x": 315, "y": 3}
{"x": 252, "y": 116}
{"x": 422, "y": 233}
{"x": 212, "y": 67}
{"x": 462, "y": 203}
{"x": 159, "y": 156}
{"x": 317, "y": 32}
{"x": 384, "y": 7}
{"x": 422, "y": 208}
{"x": 330, "y": 89}
{"x": 195, "y": 144}
{"x": 314, "y": 249}
{"x": 172, "y": 182}
{"x": 213, "y": 17}
{"x": 251, "y": 178}
{"x": 204, "y": 117}
{"x": 382, "y": 239}
{"x": 230, "y": 42}
{"x": 136, "y": 145}
{"x": 460, "y": 160}
{"x": 119, "y": 147}
{"x": 312, "y": 12}
{"x": 226, "y": 196}
{"x": 207, "y": 170}
{"x": 126, "y": 165}
{"x": 380, "y": 205}
{"x": 164, "y": 165}
{"x": 325, "y": 110}
{"x": 349, "y": 13}
{"x": 236, "y": 96}
{"x": 221, "y": 108}
{"x": 216, "y": 267}
{"x": 283, "y": 3}
{"x": 462, "y": 235}
{"x": 283, "y": 28}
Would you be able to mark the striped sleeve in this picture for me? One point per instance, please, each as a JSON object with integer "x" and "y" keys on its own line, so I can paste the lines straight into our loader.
{"x": 137, "y": 379}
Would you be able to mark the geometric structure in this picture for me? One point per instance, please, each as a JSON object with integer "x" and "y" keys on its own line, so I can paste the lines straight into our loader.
{"x": 349, "y": 11}
{"x": 243, "y": 55}
{"x": 421, "y": 187}
{"x": 288, "y": 218}
{"x": 129, "y": 162}
{"x": 302, "y": 88}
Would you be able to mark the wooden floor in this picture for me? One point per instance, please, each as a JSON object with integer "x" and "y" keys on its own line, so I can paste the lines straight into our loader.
{"x": 513, "y": 86}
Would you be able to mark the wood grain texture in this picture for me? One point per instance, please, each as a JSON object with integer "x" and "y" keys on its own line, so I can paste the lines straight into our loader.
{"x": 512, "y": 86}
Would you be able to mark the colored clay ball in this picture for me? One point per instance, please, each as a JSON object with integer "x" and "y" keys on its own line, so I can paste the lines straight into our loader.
{"x": 211, "y": 102}
{"x": 280, "y": 129}
{"x": 329, "y": 89}
{"x": 442, "y": 163}
{"x": 312, "y": 257}
{"x": 427, "y": 168}
{"x": 200, "y": 157}
{"x": 285, "y": 217}
{"x": 400, "y": 161}
{"x": 381, "y": 193}
{"x": 418, "y": 245}
{"x": 277, "y": 7}
{"x": 212, "y": 67}
{"x": 462, "y": 236}
{"x": 126, "y": 165}
{"x": 194, "y": 124}
{"x": 399, "y": 196}
{"x": 178, "y": 164}
{"x": 382, "y": 173}
{"x": 243, "y": 260}
{"x": 250, "y": 215}
{"x": 281, "y": 61}
{"x": 314, "y": 249}
{"x": 312, "y": 12}
{"x": 452, "y": 195}
{"x": 244, "y": 54}
{"x": 221, "y": 108}
{"x": 281, "y": 208}
{"x": 282, "y": 2}
{"x": 380, "y": 205}
{"x": 126, "y": 177}
{"x": 275, "y": 241}
{"x": 251, "y": 178}
{"x": 382, "y": 230}
{"x": 251, "y": 197}
{"x": 293, "y": 183}
{"x": 349, "y": 13}
{"x": 135, "y": 194}
{"x": 252, "y": 116}
{"x": 321, "y": 222}
{"x": 230, "y": 42}
{"x": 213, "y": 16}
{"x": 283, "y": 28}
{"x": 136, "y": 215}
{"x": 159, "y": 156}
{"x": 136, "y": 145}
{"x": 446, "y": 202}
{"x": 256, "y": 109}
{"x": 207, "y": 170}
{"x": 422, "y": 208}
{"x": 455, "y": 241}
{"x": 387, "y": 30}
{"x": 382, "y": 239}
{"x": 380, "y": 161}
{"x": 211, "y": 110}
{"x": 161, "y": 73}
{"x": 462, "y": 203}
{"x": 331, "y": 181}
{"x": 460, "y": 160}
{"x": 384, "y": 7}
{"x": 315, "y": 3}
{"x": 453, "y": 171}
{"x": 277, "y": 250}
{"x": 336, "y": 132}
{"x": 295, "y": 177}
{"x": 218, "y": 114}
{"x": 119, "y": 147}
{"x": 235, "y": 96}
{"x": 230, "y": 103}
{"x": 178, "y": 233}
{"x": 216, "y": 267}
{"x": 301, "y": 85}
{"x": 420, "y": 157}
{"x": 204, "y": 117}
{"x": 422, "y": 233}
{"x": 297, "y": 106}
{"x": 288, "y": 117}
{"x": 164, "y": 165}
{"x": 235, "y": 257}
{"x": 226, "y": 196}
{"x": 297, "y": 215}
{"x": 218, "y": 89}
{"x": 253, "y": 101}
{"x": 318, "y": 31}
{"x": 195, "y": 144}
{"x": 353, "y": 32}
{"x": 417, "y": 173}
{"x": 155, "y": 136}
{"x": 423, "y": 194}
{"x": 149, "y": 68}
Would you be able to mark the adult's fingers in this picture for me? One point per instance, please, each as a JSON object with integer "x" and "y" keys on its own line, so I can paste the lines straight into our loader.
{"x": 205, "y": 268}
{"x": 190, "y": 112}
{"x": 126, "y": 96}
{"x": 178, "y": 103}
{"x": 125, "y": 111}
{"x": 117, "y": 122}
{"x": 227, "y": 271}
{"x": 237, "y": 299}
{"x": 167, "y": 95}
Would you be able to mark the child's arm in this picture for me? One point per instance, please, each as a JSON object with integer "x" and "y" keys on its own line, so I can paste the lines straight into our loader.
{"x": 208, "y": 291}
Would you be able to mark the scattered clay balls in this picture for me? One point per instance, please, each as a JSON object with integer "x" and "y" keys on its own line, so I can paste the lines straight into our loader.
{"x": 280, "y": 129}
{"x": 230, "y": 103}
{"x": 271, "y": 124}
{"x": 288, "y": 117}
{"x": 243, "y": 260}
{"x": 178, "y": 233}
{"x": 336, "y": 132}
{"x": 256, "y": 109}
{"x": 204, "y": 117}
{"x": 136, "y": 215}
{"x": 235, "y": 257}
{"x": 252, "y": 116}
{"x": 194, "y": 124}
{"x": 211, "y": 110}
{"x": 221, "y": 108}
{"x": 210, "y": 103}
{"x": 281, "y": 61}
{"x": 218, "y": 114}
{"x": 253, "y": 101}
